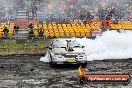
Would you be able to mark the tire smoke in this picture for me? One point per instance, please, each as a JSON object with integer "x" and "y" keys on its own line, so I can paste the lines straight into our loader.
{"x": 45, "y": 58}
{"x": 111, "y": 45}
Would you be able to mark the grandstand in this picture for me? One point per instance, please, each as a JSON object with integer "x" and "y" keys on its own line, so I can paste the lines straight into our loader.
{"x": 66, "y": 18}
{"x": 72, "y": 29}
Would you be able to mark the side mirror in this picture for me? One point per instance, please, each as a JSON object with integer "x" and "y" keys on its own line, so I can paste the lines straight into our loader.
{"x": 46, "y": 46}
{"x": 83, "y": 46}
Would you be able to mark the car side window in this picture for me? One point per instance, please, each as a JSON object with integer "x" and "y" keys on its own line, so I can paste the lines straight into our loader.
{"x": 54, "y": 45}
{"x": 51, "y": 45}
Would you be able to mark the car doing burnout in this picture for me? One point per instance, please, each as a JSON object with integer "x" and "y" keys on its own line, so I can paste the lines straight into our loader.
{"x": 63, "y": 51}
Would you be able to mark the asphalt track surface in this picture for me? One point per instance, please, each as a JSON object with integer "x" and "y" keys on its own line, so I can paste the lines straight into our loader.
{"x": 29, "y": 72}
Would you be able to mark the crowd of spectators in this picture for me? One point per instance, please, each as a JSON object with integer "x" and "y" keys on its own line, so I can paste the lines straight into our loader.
{"x": 64, "y": 10}
{"x": 9, "y": 8}
{"x": 43, "y": 10}
{"x": 118, "y": 9}
{"x": 60, "y": 12}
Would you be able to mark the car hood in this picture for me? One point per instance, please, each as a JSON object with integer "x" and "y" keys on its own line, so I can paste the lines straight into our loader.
{"x": 64, "y": 51}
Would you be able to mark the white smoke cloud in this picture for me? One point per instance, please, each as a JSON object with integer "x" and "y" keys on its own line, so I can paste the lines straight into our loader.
{"x": 45, "y": 59}
{"x": 111, "y": 45}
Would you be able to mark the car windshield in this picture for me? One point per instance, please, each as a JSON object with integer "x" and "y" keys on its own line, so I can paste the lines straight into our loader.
{"x": 59, "y": 44}
{"x": 74, "y": 44}
{"x": 63, "y": 44}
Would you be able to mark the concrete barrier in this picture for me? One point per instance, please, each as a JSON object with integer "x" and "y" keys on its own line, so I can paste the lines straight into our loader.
{"x": 22, "y": 51}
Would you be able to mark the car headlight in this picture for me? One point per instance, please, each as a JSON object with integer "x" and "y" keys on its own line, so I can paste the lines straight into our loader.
{"x": 57, "y": 56}
{"x": 82, "y": 55}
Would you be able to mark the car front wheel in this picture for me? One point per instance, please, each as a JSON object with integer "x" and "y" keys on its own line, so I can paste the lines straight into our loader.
{"x": 83, "y": 64}
{"x": 51, "y": 61}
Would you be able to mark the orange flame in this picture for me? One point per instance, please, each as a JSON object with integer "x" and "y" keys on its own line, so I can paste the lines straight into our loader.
{"x": 82, "y": 72}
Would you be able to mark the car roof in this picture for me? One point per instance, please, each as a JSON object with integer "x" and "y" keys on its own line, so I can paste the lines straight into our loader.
{"x": 64, "y": 39}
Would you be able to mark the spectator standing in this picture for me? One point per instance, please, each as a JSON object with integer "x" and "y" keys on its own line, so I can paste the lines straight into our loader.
{"x": 30, "y": 26}
{"x": 5, "y": 32}
{"x": 40, "y": 31}
{"x": 16, "y": 28}
{"x": 85, "y": 22}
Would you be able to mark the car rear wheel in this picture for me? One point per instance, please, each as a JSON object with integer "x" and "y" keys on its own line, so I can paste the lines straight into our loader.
{"x": 52, "y": 63}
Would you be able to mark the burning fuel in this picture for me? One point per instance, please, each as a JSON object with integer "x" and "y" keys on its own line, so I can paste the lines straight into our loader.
{"x": 81, "y": 71}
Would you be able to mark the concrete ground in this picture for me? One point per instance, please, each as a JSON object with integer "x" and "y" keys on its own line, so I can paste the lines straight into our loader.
{"x": 29, "y": 72}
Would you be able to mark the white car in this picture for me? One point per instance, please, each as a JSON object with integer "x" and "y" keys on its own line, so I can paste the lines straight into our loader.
{"x": 64, "y": 51}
